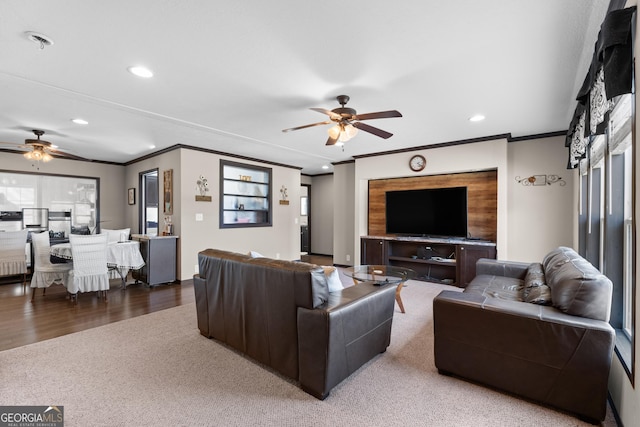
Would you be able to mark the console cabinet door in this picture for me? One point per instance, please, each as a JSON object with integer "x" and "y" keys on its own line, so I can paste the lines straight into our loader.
{"x": 372, "y": 252}
{"x": 466, "y": 257}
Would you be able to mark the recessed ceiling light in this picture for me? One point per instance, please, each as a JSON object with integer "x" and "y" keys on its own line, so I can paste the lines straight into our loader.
{"x": 476, "y": 118}
{"x": 80, "y": 121}
{"x": 140, "y": 71}
{"x": 325, "y": 167}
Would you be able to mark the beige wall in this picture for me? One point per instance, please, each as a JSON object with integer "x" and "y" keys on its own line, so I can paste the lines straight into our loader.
{"x": 344, "y": 216}
{"x": 531, "y": 220}
{"x": 113, "y": 194}
{"x": 323, "y": 200}
{"x": 451, "y": 159}
{"x": 281, "y": 240}
{"x": 540, "y": 217}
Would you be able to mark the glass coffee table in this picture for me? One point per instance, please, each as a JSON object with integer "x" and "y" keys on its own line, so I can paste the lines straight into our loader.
{"x": 382, "y": 275}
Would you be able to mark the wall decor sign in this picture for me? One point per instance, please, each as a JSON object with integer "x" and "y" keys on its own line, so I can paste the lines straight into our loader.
{"x": 284, "y": 195}
{"x": 203, "y": 187}
{"x": 168, "y": 192}
{"x": 131, "y": 196}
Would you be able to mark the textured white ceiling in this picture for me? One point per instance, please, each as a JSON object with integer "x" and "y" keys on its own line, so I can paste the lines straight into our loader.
{"x": 229, "y": 76}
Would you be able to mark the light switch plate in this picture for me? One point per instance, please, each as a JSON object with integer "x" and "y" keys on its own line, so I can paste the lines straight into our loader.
{"x": 199, "y": 217}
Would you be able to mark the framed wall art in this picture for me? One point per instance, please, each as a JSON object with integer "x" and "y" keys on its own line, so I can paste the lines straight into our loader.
{"x": 168, "y": 192}
{"x": 131, "y": 196}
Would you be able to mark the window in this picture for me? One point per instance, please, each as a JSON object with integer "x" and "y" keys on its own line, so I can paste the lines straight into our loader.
{"x": 606, "y": 220}
{"x": 245, "y": 195}
{"x": 72, "y": 201}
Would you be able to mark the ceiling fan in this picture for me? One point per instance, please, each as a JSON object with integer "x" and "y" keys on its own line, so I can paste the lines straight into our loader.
{"x": 347, "y": 122}
{"x": 41, "y": 150}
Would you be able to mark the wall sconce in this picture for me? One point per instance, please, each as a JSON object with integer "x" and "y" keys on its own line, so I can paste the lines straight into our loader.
{"x": 541, "y": 180}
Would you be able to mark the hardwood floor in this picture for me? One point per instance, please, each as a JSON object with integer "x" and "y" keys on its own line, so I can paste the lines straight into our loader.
{"x": 317, "y": 259}
{"x": 53, "y": 315}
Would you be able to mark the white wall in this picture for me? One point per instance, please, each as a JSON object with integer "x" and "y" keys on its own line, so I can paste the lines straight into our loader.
{"x": 540, "y": 217}
{"x": 323, "y": 200}
{"x": 113, "y": 194}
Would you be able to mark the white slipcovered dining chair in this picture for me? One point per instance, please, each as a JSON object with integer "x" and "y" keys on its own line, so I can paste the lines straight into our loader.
{"x": 46, "y": 273}
{"x": 90, "y": 272}
{"x": 13, "y": 256}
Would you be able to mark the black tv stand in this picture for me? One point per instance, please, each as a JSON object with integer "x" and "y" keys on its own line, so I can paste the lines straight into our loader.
{"x": 441, "y": 260}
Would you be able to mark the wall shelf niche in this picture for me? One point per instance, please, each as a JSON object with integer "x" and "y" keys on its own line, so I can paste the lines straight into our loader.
{"x": 245, "y": 195}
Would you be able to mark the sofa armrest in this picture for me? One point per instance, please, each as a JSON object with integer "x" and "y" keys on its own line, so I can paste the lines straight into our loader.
{"x": 534, "y": 351}
{"x": 494, "y": 267}
{"x": 338, "y": 338}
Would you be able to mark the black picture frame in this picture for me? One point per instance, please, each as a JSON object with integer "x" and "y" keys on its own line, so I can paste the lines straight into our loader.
{"x": 131, "y": 196}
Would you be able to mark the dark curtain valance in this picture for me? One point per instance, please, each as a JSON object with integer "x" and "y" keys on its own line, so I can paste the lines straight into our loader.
{"x": 610, "y": 74}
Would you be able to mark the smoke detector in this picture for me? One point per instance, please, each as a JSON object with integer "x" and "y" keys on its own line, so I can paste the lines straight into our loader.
{"x": 39, "y": 39}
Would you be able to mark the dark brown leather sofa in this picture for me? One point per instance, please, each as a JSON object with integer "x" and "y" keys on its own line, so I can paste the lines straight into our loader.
{"x": 540, "y": 331}
{"x": 281, "y": 314}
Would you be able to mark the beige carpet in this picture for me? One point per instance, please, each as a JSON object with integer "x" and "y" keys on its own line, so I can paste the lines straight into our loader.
{"x": 156, "y": 370}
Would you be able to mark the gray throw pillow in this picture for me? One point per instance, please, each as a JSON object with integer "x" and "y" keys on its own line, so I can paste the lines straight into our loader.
{"x": 535, "y": 289}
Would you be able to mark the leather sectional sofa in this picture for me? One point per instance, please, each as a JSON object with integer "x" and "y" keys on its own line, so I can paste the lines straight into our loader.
{"x": 537, "y": 330}
{"x": 281, "y": 314}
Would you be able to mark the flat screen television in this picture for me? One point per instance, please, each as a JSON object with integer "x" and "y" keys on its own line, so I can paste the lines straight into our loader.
{"x": 431, "y": 212}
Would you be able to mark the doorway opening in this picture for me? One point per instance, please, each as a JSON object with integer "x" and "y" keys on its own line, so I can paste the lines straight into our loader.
{"x": 149, "y": 202}
{"x": 305, "y": 219}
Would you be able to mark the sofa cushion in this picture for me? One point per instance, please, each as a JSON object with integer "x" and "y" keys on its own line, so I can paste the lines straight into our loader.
{"x": 535, "y": 289}
{"x": 577, "y": 287}
{"x": 506, "y": 288}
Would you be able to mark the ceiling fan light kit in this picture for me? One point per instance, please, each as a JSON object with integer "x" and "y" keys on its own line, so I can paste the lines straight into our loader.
{"x": 41, "y": 151}
{"x": 348, "y": 122}
{"x": 38, "y": 154}
{"x": 342, "y": 133}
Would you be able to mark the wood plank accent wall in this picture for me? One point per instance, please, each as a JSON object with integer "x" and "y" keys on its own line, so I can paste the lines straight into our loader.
{"x": 482, "y": 199}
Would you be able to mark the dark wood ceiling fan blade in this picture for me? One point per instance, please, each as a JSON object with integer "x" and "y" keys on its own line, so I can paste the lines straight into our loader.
{"x": 373, "y": 130}
{"x": 331, "y": 141}
{"x": 378, "y": 115}
{"x": 327, "y": 122}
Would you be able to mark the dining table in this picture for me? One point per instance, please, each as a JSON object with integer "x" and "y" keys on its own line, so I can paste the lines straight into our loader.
{"x": 121, "y": 256}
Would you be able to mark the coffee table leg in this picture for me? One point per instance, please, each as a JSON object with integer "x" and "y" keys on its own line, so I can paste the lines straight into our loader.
{"x": 398, "y": 299}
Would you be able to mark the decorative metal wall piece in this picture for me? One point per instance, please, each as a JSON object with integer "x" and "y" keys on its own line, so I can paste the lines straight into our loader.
{"x": 284, "y": 195}
{"x": 541, "y": 180}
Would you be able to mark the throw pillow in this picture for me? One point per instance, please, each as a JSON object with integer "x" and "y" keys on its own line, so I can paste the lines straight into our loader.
{"x": 115, "y": 235}
{"x": 535, "y": 289}
{"x": 333, "y": 279}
